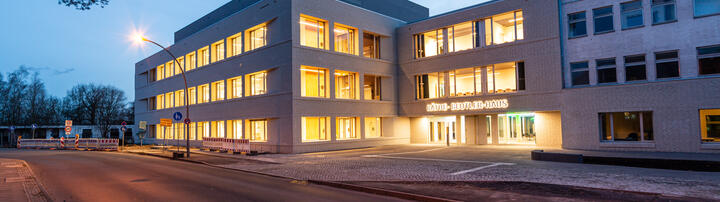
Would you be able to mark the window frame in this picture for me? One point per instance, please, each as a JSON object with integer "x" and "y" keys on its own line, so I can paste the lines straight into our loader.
{"x": 217, "y": 91}
{"x": 572, "y": 21}
{"x": 654, "y": 5}
{"x": 233, "y": 91}
{"x": 379, "y": 127}
{"x": 641, "y": 138}
{"x": 375, "y": 38}
{"x": 704, "y": 113}
{"x": 323, "y": 121}
{"x": 321, "y": 86}
{"x": 234, "y": 45}
{"x": 701, "y": 56}
{"x": 250, "y": 45}
{"x": 353, "y": 87}
{"x": 352, "y": 39}
{"x": 250, "y": 88}
{"x": 440, "y": 91}
{"x": 675, "y": 60}
{"x": 190, "y": 64}
{"x": 203, "y": 56}
{"x": 377, "y": 90}
{"x": 452, "y": 82}
{"x": 354, "y": 122}
{"x": 322, "y": 38}
{"x": 629, "y": 65}
{"x": 215, "y": 54}
{"x": 573, "y": 70}
{"x": 251, "y": 130}
{"x": 624, "y": 13}
{"x": 695, "y": 15}
{"x": 599, "y": 67}
{"x": 515, "y": 20}
{"x": 596, "y": 17}
{"x": 202, "y": 92}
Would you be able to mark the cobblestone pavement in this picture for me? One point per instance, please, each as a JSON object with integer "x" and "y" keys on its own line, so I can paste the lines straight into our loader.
{"x": 18, "y": 182}
{"x": 479, "y": 163}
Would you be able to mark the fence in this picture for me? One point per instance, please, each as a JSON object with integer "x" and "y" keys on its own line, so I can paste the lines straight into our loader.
{"x": 226, "y": 144}
{"x": 82, "y": 143}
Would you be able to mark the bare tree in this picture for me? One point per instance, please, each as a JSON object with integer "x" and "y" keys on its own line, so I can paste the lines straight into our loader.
{"x": 97, "y": 105}
{"x": 84, "y": 4}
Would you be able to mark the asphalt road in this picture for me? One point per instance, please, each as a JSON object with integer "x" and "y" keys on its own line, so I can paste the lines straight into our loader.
{"x": 109, "y": 176}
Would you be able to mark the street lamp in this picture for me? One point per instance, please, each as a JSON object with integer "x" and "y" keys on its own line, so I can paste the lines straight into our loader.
{"x": 139, "y": 39}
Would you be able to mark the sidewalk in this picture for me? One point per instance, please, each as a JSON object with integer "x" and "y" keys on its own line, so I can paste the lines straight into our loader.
{"x": 19, "y": 183}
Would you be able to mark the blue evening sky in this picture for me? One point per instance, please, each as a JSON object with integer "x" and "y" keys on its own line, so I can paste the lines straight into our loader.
{"x": 69, "y": 47}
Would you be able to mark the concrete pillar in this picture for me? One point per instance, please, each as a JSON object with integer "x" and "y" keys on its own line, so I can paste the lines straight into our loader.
{"x": 471, "y": 130}
{"x": 458, "y": 129}
{"x": 481, "y": 129}
{"x": 494, "y": 122}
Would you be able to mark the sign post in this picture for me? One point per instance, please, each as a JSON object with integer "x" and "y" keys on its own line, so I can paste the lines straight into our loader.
{"x": 177, "y": 116}
{"x": 34, "y": 126}
{"x": 123, "y": 129}
{"x": 143, "y": 129}
{"x": 165, "y": 123}
{"x": 68, "y": 127}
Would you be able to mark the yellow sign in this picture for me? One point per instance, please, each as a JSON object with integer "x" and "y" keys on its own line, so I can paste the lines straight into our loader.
{"x": 468, "y": 106}
{"x": 166, "y": 122}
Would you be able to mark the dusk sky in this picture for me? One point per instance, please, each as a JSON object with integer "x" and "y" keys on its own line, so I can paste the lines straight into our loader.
{"x": 68, "y": 46}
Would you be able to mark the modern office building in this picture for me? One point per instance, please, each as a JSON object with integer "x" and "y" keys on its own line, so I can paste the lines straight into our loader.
{"x": 317, "y": 75}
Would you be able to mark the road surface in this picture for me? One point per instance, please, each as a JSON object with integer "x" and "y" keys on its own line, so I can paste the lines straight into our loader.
{"x": 110, "y": 176}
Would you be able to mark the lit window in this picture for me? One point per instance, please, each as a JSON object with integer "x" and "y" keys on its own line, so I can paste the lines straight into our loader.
{"x": 235, "y": 87}
{"x": 345, "y": 39}
{"x": 193, "y": 95}
{"x": 160, "y": 72}
{"x": 203, "y": 94}
{"x": 666, "y": 64}
{"x": 160, "y": 133}
{"x": 709, "y": 59}
{"x": 256, "y": 83}
{"x": 576, "y": 25}
{"x": 193, "y": 131}
{"x": 580, "y": 73}
{"x": 710, "y": 125}
{"x": 315, "y": 129}
{"x": 430, "y": 85}
{"x": 504, "y": 77}
{"x": 372, "y": 87}
{"x": 218, "y": 51}
{"x": 503, "y": 28}
{"x": 429, "y": 44}
{"x": 169, "y": 69}
{"x": 256, "y": 37}
{"x": 179, "y": 65}
{"x": 346, "y": 84}
{"x": 203, "y": 129}
{"x": 169, "y": 100}
{"x": 603, "y": 20}
{"x": 461, "y": 36}
{"x": 706, "y": 7}
{"x": 257, "y": 130}
{"x": 218, "y": 91}
{"x": 312, "y": 32}
{"x": 190, "y": 62}
{"x": 160, "y": 101}
{"x": 235, "y": 128}
{"x": 465, "y": 82}
{"x": 632, "y": 15}
{"x": 203, "y": 57}
{"x": 606, "y": 70}
{"x": 346, "y": 128}
{"x": 235, "y": 44}
{"x": 313, "y": 82}
{"x": 218, "y": 129}
{"x": 663, "y": 11}
{"x": 180, "y": 98}
{"x": 373, "y": 127}
{"x": 626, "y": 126}
{"x": 179, "y": 131}
{"x": 635, "y": 68}
{"x": 371, "y": 45}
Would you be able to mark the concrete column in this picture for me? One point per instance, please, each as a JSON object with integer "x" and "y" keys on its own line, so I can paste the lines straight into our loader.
{"x": 471, "y": 130}
{"x": 495, "y": 131}
{"x": 361, "y": 124}
{"x": 332, "y": 129}
{"x": 459, "y": 129}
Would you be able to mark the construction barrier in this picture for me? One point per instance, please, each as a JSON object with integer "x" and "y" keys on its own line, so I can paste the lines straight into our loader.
{"x": 226, "y": 144}
{"x": 82, "y": 143}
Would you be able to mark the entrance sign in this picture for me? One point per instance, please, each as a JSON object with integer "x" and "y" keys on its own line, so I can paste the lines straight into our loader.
{"x": 177, "y": 116}
{"x": 166, "y": 122}
{"x": 468, "y": 106}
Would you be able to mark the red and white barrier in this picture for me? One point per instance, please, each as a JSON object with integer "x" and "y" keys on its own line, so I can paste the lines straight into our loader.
{"x": 82, "y": 143}
{"x": 62, "y": 142}
{"x": 226, "y": 144}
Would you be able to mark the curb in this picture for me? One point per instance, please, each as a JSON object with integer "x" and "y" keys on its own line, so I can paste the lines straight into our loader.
{"x": 45, "y": 193}
{"x": 670, "y": 164}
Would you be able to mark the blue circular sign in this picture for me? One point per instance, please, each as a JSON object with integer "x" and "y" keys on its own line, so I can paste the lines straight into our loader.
{"x": 34, "y": 126}
{"x": 177, "y": 116}
{"x": 12, "y": 128}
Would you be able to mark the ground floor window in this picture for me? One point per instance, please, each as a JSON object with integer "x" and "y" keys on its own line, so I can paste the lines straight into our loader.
{"x": 193, "y": 131}
{"x": 203, "y": 129}
{"x": 179, "y": 131}
{"x": 709, "y": 59}
{"x": 346, "y": 128}
{"x": 218, "y": 129}
{"x": 516, "y": 128}
{"x": 257, "y": 130}
{"x": 626, "y": 126}
{"x": 442, "y": 130}
{"x": 710, "y": 125}
{"x": 234, "y": 129}
{"x": 373, "y": 127}
{"x": 315, "y": 129}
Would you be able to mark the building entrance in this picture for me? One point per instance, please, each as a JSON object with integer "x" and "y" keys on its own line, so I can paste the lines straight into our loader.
{"x": 442, "y": 130}
{"x": 516, "y": 128}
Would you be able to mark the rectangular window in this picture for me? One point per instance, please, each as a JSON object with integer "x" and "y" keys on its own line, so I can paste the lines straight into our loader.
{"x": 193, "y": 131}
{"x": 709, "y": 59}
{"x": 313, "y": 32}
{"x": 179, "y": 130}
{"x": 256, "y": 83}
{"x": 663, "y": 11}
{"x": 346, "y": 84}
{"x": 371, "y": 87}
{"x": 463, "y": 82}
{"x": 461, "y": 36}
{"x": 169, "y": 69}
{"x": 169, "y": 100}
{"x": 346, "y": 128}
{"x": 191, "y": 61}
{"x": 371, "y": 45}
{"x": 203, "y": 94}
{"x": 160, "y": 72}
{"x": 256, "y": 37}
{"x": 160, "y": 134}
{"x": 504, "y": 78}
{"x": 504, "y": 28}
{"x": 710, "y": 125}
{"x": 632, "y": 15}
{"x": 576, "y": 25}
{"x": 345, "y": 39}
{"x": 635, "y": 68}
{"x": 193, "y": 95}
{"x": 234, "y": 44}
{"x": 314, "y": 82}
{"x": 626, "y": 126}
{"x": 180, "y": 98}
{"x": 373, "y": 127}
{"x": 667, "y": 65}
{"x": 160, "y": 101}
{"x": 218, "y": 91}
{"x": 218, "y": 129}
{"x": 151, "y": 75}
{"x": 315, "y": 129}
{"x": 152, "y": 103}
{"x": 257, "y": 131}
{"x": 706, "y": 7}
{"x": 218, "y": 51}
{"x": 430, "y": 85}
{"x": 429, "y": 44}
{"x": 203, "y": 56}
{"x": 204, "y": 129}
{"x": 179, "y": 65}
{"x": 606, "y": 70}
{"x": 603, "y": 20}
{"x": 235, "y": 87}
{"x": 235, "y": 128}
{"x": 580, "y": 73}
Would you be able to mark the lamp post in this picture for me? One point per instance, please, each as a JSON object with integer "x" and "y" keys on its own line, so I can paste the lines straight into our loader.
{"x": 187, "y": 99}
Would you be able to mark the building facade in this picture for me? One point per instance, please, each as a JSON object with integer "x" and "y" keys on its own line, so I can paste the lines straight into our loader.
{"x": 318, "y": 75}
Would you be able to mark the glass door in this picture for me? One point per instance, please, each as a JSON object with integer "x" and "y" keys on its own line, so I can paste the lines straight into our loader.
{"x": 516, "y": 128}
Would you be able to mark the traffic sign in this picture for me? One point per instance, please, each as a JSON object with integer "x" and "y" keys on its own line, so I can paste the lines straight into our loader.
{"x": 68, "y": 123}
{"x": 177, "y": 116}
{"x": 166, "y": 122}
{"x": 123, "y": 129}
{"x": 34, "y": 126}
{"x": 123, "y": 124}
{"x": 12, "y": 128}
{"x": 187, "y": 121}
{"x": 67, "y": 130}
{"x": 143, "y": 125}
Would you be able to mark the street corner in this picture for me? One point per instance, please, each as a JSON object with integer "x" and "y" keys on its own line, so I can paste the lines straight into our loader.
{"x": 20, "y": 183}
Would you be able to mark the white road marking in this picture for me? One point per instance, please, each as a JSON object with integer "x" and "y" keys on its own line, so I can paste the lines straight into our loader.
{"x": 480, "y": 168}
{"x": 412, "y": 152}
{"x": 492, "y": 164}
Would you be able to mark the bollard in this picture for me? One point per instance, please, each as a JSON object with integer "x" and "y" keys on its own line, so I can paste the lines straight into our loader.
{"x": 62, "y": 142}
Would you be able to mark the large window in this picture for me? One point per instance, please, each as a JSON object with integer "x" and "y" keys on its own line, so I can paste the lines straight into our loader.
{"x": 235, "y": 87}
{"x": 203, "y": 129}
{"x": 235, "y": 128}
{"x": 218, "y": 51}
{"x": 345, "y": 39}
{"x": 371, "y": 45}
{"x": 346, "y": 84}
{"x": 465, "y": 82}
{"x": 218, "y": 129}
{"x": 234, "y": 44}
{"x": 256, "y": 83}
{"x": 606, "y": 70}
{"x": 373, "y": 127}
{"x": 430, "y": 85}
{"x": 663, "y": 11}
{"x": 709, "y": 59}
{"x": 257, "y": 130}
{"x": 632, "y": 15}
{"x": 256, "y": 37}
{"x": 313, "y": 82}
{"x": 169, "y": 100}
{"x": 706, "y": 7}
{"x": 710, "y": 125}
{"x": 179, "y": 65}
{"x": 218, "y": 91}
{"x": 169, "y": 69}
{"x": 635, "y": 68}
{"x": 503, "y": 28}
{"x": 626, "y": 126}
{"x": 203, "y": 94}
{"x": 462, "y": 36}
{"x": 190, "y": 61}
{"x": 577, "y": 25}
{"x": 203, "y": 56}
{"x": 193, "y": 131}
{"x": 429, "y": 44}
{"x": 580, "y": 73}
{"x": 666, "y": 64}
{"x": 506, "y": 77}
{"x": 193, "y": 95}
{"x": 160, "y": 72}
{"x": 346, "y": 128}
{"x": 315, "y": 129}
{"x": 180, "y": 98}
{"x": 371, "y": 87}
{"x": 160, "y": 101}
{"x": 312, "y": 32}
{"x": 603, "y": 20}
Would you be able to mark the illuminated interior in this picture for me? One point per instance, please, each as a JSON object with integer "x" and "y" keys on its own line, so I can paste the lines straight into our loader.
{"x": 460, "y": 37}
{"x": 442, "y": 129}
{"x": 371, "y": 87}
{"x": 190, "y": 62}
{"x": 430, "y": 85}
{"x": 160, "y": 72}
{"x": 203, "y": 56}
{"x": 256, "y": 84}
{"x": 516, "y": 128}
{"x": 178, "y": 68}
{"x": 169, "y": 100}
{"x": 193, "y": 95}
{"x": 346, "y": 128}
{"x": 373, "y": 127}
{"x": 203, "y": 94}
{"x": 234, "y": 128}
{"x": 169, "y": 69}
{"x": 313, "y": 82}
{"x": 346, "y": 84}
{"x": 502, "y": 78}
{"x": 503, "y": 28}
{"x": 203, "y": 129}
{"x": 160, "y": 101}
{"x": 371, "y": 45}
{"x": 312, "y": 32}
{"x": 234, "y": 45}
{"x": 710, "y": 125}
{"x": 256, "y": 37}
{"x": 218, "y": 91}
{"x": 218, "y": 129}
{"x": 465, "y": 82}
{"x": 235, "y": 87}
{"x": 218, "y": 51}
{"x": 315, "y": 129}
{"x": 257, "y": 130}
{"x": 180, "y": 98}
{"x": 345, "y": 39}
